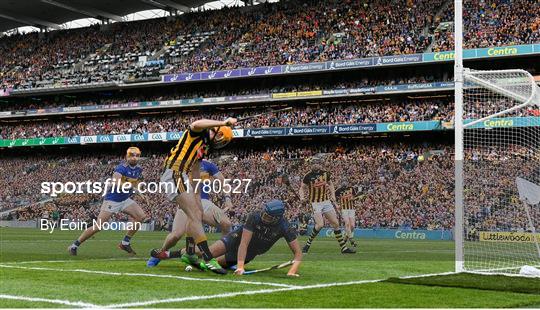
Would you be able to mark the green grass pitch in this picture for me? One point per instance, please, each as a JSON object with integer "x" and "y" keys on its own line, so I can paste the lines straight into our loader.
{"x": 36, "y": 270}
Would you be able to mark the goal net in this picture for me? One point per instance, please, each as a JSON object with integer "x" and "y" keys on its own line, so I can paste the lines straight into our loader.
{"x": 500, "y": 176}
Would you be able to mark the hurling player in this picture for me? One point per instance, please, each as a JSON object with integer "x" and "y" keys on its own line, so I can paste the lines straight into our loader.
{"x": 117, "y": 200}
{"x": 260, "y": 232}
{"x": 321, "y": 194}
{"x": 182, "y": 162}
{"x": 212, "y": 215}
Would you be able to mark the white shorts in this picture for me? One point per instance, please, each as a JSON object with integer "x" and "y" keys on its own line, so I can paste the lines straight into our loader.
{"x": 115, "y": 207}
{"x": 322, "y": 207}
{"x": 347, "y": 213}
{"x": 172, "y": 186}
{"x": 212, "y": 211}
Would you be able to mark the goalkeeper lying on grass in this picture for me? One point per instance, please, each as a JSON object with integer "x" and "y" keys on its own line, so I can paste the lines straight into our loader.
{"x": 260, "y": 232}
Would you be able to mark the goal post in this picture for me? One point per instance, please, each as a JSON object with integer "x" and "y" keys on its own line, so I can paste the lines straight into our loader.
{"x": 497, "y": 167}
{"x": 499, "y": 173}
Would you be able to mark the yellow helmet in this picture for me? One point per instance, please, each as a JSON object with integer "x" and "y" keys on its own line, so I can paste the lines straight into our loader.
{"x": 222, "y": 136}
{"x": 133, "y": 150}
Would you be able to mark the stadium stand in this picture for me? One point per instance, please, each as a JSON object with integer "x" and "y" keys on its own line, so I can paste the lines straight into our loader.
{"x": 372, "y": 167}
{"x": 260, "y": 35}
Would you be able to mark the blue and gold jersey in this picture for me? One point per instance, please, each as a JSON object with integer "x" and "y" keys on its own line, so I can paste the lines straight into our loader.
{"x": 131, "y": 174}
{"x": 208, "y": 171}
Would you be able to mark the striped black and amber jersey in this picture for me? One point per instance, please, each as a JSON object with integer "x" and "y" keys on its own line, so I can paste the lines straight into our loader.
{"x": 318, "y": 185}
{"x": 191, "y": 147}
{"x": 345, "y": 197}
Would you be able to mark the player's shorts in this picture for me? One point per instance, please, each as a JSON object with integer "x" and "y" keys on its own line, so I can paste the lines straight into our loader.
{"x": 348, "y": 213}
{"x": 232, "y": 242}
{"x": 322, "y": 207}
{"x": 115, "y": 207}
{"x": 212, "y": 211}
{"x": 173, "y": 183}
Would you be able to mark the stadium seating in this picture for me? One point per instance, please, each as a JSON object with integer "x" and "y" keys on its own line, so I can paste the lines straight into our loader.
{"x": 427, "y": 180}
{"x": 302, "y": 115}
{"x": 262, "y": 35}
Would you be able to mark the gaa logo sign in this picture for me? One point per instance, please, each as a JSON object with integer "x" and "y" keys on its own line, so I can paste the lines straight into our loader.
{"x": 104, "y": 139}
{"x": 174, "y": 136}
{"x": 157, "y": 136}
{"x": 138, "y": 137}
{"x": 87, "y": 139}
{"x": 71, "y": 140}
{"x": 122, "y": 138}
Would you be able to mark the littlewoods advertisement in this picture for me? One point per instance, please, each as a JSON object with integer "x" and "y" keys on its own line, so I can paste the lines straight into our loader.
{"x": 499, "y": 236}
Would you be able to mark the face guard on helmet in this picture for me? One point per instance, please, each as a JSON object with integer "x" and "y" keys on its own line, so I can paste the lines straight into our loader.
{"x": 222, "y": 136}
{"x": 273, "y": 211}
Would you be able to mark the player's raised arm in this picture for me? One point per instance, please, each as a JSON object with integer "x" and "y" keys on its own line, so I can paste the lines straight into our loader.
{"x": 242, "y": 251}
{"x": 202, "y": 124}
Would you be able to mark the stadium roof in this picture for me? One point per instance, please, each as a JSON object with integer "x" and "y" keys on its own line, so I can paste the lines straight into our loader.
{"x": 53, "y": 13}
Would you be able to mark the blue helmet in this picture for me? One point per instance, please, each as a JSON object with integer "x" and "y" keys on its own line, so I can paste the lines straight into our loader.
{"x": 275, "y": 208}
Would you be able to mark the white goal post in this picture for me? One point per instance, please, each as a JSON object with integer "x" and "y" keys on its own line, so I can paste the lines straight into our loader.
{"x": 497, "y": 168}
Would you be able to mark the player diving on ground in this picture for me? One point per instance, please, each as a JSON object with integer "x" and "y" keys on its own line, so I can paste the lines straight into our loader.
{"x": 262, "y": 229}
{"x": 119, "y": 200}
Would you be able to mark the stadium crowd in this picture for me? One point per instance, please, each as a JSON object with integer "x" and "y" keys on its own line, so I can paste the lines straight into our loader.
{"x": 423, "y": 172}
{"x": 286, "y": 32}
{"x": 491, "y": 194}
{"x": 400, "y": 185}
{"x": 303, "y": 115}
{"x": 489, "y": 23}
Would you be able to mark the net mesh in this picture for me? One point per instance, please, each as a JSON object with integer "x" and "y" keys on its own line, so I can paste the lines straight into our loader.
{"x": 501, "y": 144}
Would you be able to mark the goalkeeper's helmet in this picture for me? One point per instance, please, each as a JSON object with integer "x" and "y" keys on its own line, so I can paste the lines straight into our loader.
{"x": 273, "y": 211}
{"x": 222, "y": 136}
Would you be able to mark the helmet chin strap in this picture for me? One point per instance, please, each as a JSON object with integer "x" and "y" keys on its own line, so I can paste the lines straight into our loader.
{"x": 215, "y": 133}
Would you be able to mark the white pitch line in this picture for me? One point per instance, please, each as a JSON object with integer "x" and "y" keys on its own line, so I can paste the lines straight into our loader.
{"x": 264, "y": 291}
{"x": 225, "y": 295}
{"x": 148, "y": 275}
{"x": 53, "y": 301}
